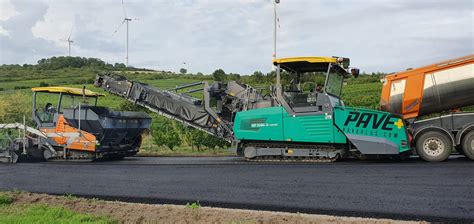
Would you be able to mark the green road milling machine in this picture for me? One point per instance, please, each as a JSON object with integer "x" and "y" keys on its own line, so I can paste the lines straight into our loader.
{"x": 287, "y": 123}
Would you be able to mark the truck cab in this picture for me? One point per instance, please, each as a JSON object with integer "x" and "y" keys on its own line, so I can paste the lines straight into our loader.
{"x": 297, "y": 99}
{"x": 49, "y": 103}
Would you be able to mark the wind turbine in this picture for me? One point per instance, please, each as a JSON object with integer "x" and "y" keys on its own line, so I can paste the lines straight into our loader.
{"x": 69, "y": 41}
{"x": 125, "y": 20}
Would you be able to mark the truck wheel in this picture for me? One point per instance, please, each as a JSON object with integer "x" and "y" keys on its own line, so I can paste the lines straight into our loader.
{"x": 468, "y": 145}
{"x": 433, "y": 146}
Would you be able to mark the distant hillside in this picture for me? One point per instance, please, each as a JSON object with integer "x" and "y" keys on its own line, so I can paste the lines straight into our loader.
{"x": 55, "y": 71}
{"x": 76, "y": 71}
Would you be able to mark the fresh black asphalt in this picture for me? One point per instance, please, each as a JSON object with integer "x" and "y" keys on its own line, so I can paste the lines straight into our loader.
{"x": 389, "y": 189}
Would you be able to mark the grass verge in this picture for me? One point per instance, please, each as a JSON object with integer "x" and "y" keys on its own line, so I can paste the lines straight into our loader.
{"x": 5, "y": 199}
{"x": 40, "y": 213}
{"x": 41, "y": 208}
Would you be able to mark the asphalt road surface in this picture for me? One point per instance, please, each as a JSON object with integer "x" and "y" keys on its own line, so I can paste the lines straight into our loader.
{"x": 402, "y": 190}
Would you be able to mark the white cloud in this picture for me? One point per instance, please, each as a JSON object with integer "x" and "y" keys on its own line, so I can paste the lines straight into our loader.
{"x": 382, "y": 35}
{"x": 7, "y": 10}
{"x": 4, "y": 32}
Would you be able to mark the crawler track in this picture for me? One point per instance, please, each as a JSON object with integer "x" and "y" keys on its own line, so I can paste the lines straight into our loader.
{"x": 321, "y": 158}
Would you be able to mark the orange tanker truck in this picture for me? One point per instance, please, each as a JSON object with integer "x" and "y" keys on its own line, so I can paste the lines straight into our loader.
{"x": 430, "y": 98}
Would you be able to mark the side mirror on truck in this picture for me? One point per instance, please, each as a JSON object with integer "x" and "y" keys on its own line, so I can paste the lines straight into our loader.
{"x": 355, "y": 72}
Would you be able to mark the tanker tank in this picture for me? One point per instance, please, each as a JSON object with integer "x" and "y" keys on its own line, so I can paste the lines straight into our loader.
{"x": 434, "y": 90}
{"x": 430, "y": 89}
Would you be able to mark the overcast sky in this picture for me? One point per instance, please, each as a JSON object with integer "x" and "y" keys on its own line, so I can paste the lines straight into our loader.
{"x": 236, "y": 35}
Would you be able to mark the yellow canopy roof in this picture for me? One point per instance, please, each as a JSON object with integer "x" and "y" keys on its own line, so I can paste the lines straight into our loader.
{"x": 305, "y": 59}
{"x": 66, "y": 90}
{"x": 305, "y": 64}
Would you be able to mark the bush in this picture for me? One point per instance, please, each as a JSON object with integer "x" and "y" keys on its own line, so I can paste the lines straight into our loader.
{"x": 43, "y": 84}
{"x": 211, "y": 142}
{"x": 194, "y": 205}
{"x": 126, "y": 105}
{"x": 165, "y": 133}
{"x": 219, "y": 75}
{"x": 5, "y": 199}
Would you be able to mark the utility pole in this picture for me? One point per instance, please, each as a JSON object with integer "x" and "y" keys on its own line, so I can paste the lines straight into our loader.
{"x": 275, "y": 23}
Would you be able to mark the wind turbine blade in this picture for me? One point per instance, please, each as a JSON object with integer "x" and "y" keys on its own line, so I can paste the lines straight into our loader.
{"x": 124, "y": 11}
{"x": 70, "y": 33}
{"x": 118, "y": 28}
